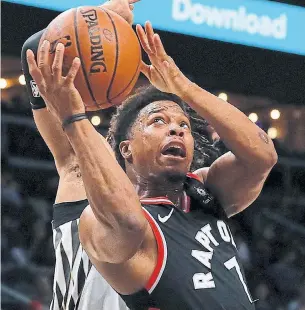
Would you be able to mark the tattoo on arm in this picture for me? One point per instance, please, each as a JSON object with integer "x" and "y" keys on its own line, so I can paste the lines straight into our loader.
{"x": 77, "y": 170}
{"x": 264, "y": 137}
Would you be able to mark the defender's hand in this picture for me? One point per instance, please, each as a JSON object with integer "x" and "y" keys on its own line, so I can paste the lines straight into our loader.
{"x": 122, "y": 7}
{"x": 163, "y": 72}
{"x": 58, "y": 91}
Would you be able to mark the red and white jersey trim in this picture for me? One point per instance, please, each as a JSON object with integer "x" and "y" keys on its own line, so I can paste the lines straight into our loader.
{"x": 156, "y": 201}
{"x": 186, "y": 203}
{"x": 194, "y": 176}
{"x": 161, "y": 242}
{"x": 162, "y": 253}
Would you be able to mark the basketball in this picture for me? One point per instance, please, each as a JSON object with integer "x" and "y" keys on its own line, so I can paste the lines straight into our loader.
{"x": 108, "y": 49}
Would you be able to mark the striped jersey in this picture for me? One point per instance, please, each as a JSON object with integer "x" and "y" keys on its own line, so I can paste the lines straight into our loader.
{"x": 77, "y": 284}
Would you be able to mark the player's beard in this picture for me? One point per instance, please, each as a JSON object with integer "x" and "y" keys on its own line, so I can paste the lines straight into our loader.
{"x": 172, "y": 177}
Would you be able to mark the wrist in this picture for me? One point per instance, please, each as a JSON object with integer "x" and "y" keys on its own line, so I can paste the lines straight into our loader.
{"x": 79, "y": 133}
{"x": 67, "y": 111}
{"x": 63, "y": 112}
{"x": 80, "y": 125}
{"x": 187, "y": 91}
{"x": 68, "y": 121}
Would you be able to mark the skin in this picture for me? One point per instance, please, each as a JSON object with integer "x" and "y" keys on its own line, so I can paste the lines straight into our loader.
{"x": 115, "y": 218}
{"x": 154, "y": 174}
{"x": 244, "y": 170}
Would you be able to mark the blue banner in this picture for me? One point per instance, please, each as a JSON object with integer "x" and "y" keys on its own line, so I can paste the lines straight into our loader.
{"x": 264, "y": 24}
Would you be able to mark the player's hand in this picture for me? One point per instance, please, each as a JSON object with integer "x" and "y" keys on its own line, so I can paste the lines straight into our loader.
{"x": 163, "y": 72}
{"x": 58, "y": 91}
{"x": 122, "y": 7}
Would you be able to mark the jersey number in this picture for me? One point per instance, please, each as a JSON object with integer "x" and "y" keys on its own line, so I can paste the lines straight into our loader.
{"x": 232, "y": 263}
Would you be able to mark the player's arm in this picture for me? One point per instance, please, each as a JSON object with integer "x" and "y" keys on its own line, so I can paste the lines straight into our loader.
{"x": 115, "y": 218}
{"x": 70, "y": 186}
{"x": 237, "y": 177}
{"x": 228, "y": 173}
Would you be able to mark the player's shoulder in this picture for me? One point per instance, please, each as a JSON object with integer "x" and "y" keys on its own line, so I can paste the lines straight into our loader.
{"x": 32, "y": 42}
{"x": 65, "y": 212}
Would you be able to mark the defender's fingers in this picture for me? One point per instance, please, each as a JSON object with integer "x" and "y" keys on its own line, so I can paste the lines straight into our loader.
{"x": 58, "y": 60}
{"x": 150, "y": 36}
{"x": 33, "y": 68}
{"x": 43, "y": 59}
{"x": 143, "y": 39}
{"x": 73, "y": 70}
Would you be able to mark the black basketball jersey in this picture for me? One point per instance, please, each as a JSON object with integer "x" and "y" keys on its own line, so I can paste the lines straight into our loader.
{"x": 197, "y": 266}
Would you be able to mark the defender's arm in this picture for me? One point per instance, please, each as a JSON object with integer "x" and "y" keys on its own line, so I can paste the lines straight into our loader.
{"x": 70, "y": 186}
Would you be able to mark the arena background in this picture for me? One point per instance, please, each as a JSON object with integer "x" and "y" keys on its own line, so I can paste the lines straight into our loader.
{"x": 265, "y": 84}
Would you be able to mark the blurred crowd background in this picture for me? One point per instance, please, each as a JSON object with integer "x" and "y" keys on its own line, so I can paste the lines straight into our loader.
{"x": 267, "y": 86}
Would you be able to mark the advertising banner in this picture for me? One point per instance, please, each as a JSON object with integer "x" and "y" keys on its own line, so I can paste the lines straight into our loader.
{"x": 263, "y": 24}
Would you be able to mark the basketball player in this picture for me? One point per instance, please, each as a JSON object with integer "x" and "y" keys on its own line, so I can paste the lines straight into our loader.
{"x": 77, "y": 284}
{"x": 158, "y": 234}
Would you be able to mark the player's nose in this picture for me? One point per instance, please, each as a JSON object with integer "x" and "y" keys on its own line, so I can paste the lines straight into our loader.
{"x": 176, "y": 130}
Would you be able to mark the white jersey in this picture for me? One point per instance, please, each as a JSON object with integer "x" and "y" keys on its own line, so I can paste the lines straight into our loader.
{"x": 77, "y": 284}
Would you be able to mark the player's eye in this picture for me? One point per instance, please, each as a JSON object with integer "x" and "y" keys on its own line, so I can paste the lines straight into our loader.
{"x": 159, "y": 120}
{"x": 184, "y": 125}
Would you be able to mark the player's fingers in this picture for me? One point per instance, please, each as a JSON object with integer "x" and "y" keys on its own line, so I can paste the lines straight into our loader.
{"x": 73, "y": 70}
{"x": 143, "y": 39}
{"x": 145, "y": 69}
{"x": 160, "y": 51}
{"x": 43, "y": 60}
{"x": 169, "y": 70}
{"x": 57, "y": 62}
{"x": 157, "y": 74}
{"x": 33, "y": 68}
{"x": 150, "y": 36}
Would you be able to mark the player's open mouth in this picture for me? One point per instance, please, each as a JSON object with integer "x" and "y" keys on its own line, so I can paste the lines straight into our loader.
{"x": 174, "y": 150}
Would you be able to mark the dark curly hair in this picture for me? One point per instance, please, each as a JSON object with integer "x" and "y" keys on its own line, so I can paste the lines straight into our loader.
{"x": 122, "y": 121}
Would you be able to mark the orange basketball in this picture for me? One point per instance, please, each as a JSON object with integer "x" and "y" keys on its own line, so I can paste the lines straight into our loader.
{"x": 108, "y": 49}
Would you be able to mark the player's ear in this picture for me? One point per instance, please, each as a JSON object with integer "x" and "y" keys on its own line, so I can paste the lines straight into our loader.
{"x": 125, "y": 149}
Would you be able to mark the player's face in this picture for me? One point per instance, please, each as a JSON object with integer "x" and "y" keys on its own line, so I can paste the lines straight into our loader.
{"x": 162, "y": 143}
